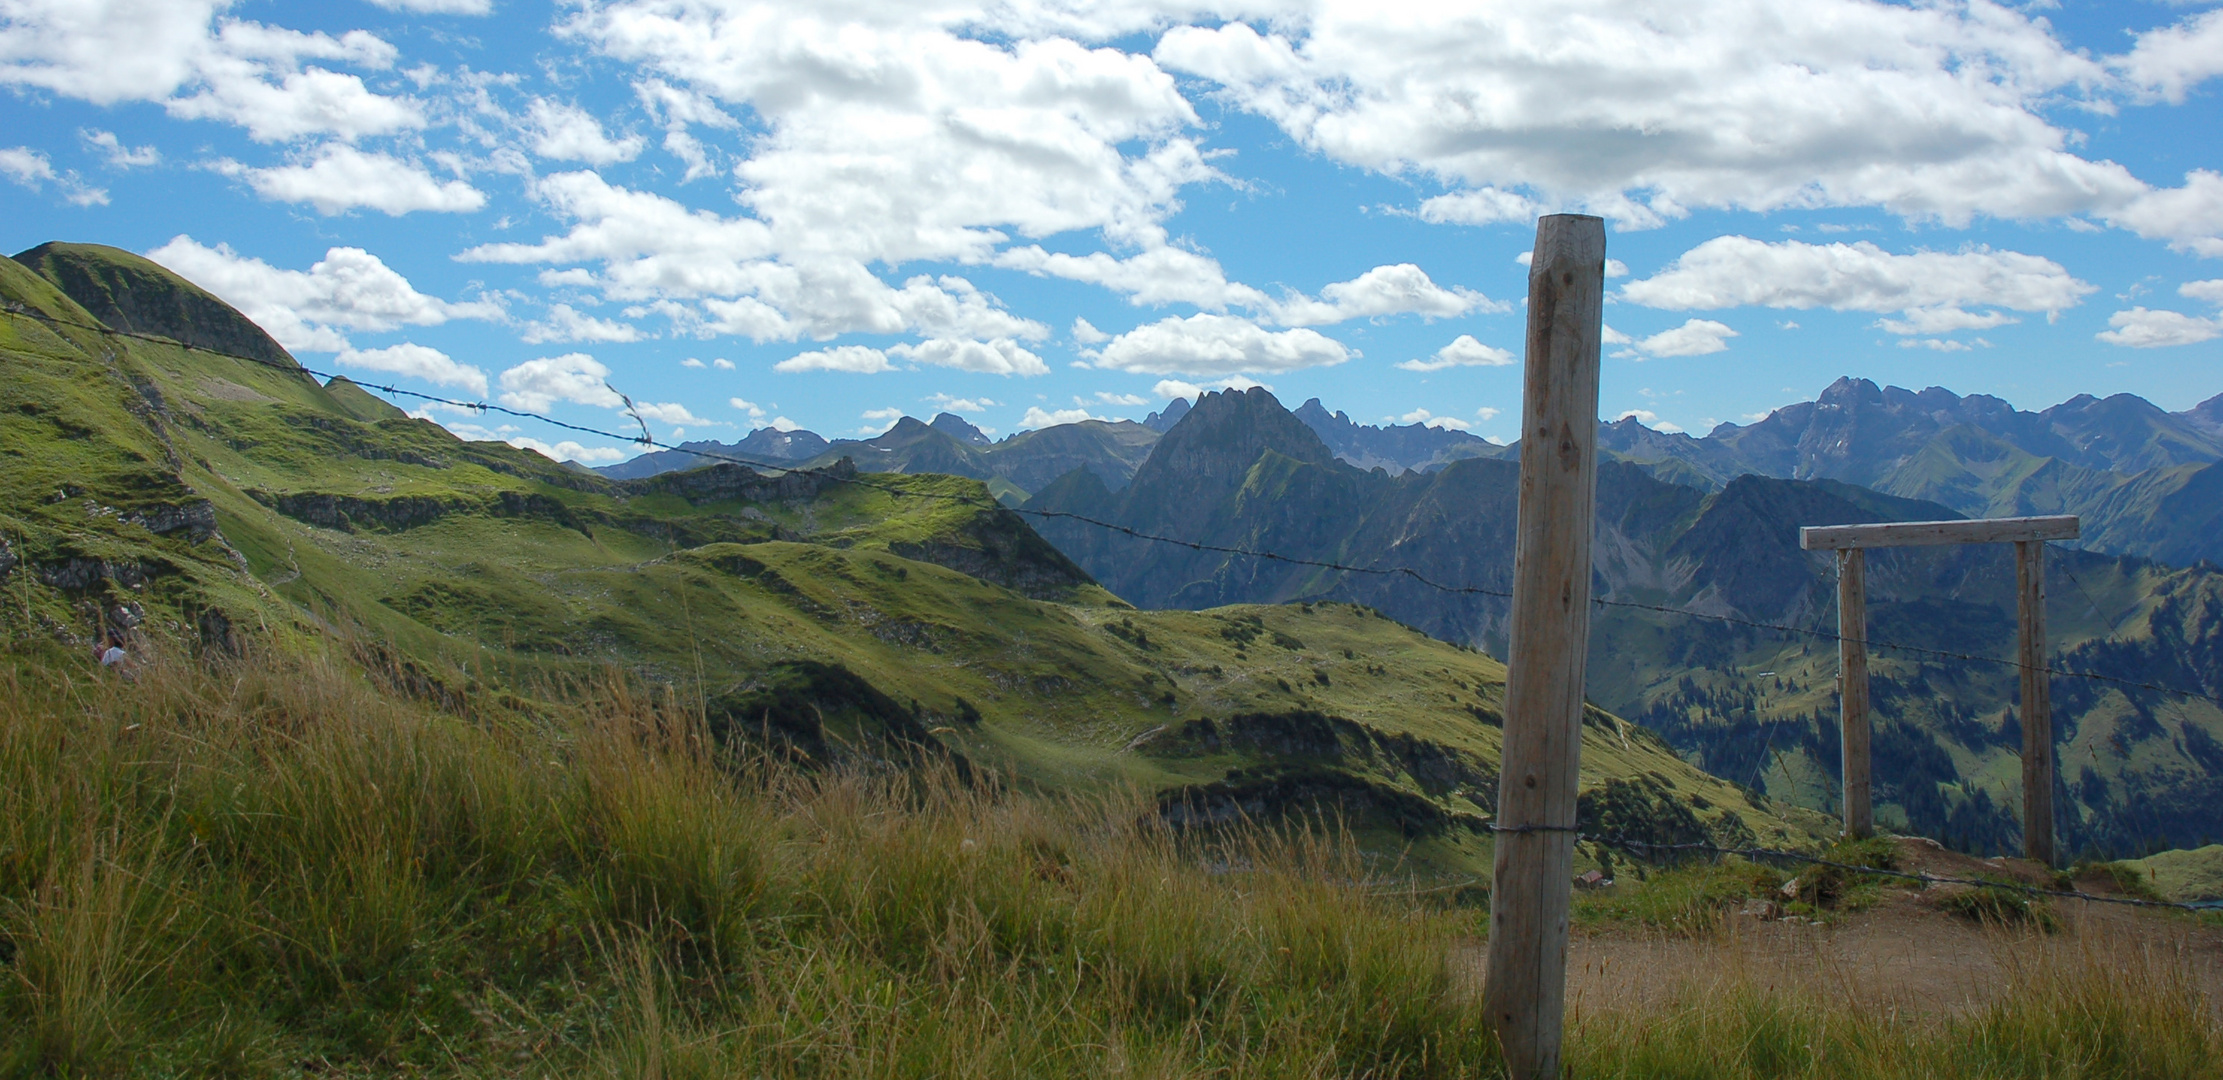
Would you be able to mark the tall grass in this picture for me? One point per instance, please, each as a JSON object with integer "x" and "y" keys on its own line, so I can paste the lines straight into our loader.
{"x": 278, "y": 868}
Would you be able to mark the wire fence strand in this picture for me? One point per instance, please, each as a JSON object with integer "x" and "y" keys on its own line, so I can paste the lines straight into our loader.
{"x": 1415, "y": 575}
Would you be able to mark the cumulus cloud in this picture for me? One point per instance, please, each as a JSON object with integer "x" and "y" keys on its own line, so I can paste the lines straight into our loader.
{"x": 348, "y": 289}
{"x": 576, "y": 377}
{"x": 1106, "y": 397}
{"x": 1160, "y": 275}
{"x": 31, "y": 169}
{"x": 1385, "y": 290}
{"x": 2169, "y": 60}
{"x": 340, "y": 178}
{"x": 1933, "y": 290}
{"x": 860, "y": 359}
{"x": 1929, "y": 112}
{"x": 1464, "y": 351}
{"x": 1176, "y": 388}
{"x": 1650, "y": 419}
{"x": 1037, "y": 417}
{"x": 2142, "y": 328}
{"x": 651, "y": 247}
{"x": 671, "y": 412}
{"x": 417, "y": 362}
{"x": 1428, "y": 419}
{"x": 1002, "y": 356}
{"x": 948, "y": 403}
{"x": 883, "y": 420}
{"x": 570, "y": 133}
{"x": 565, "y": 324}
{"x": 180, "y": 54}
{"x": 118, "y": 155}
{"x": 1086, "y": 333}
{"x": 567, "y": 450}
{"x": 1696, "y": 337}
{"x": 1217, "y": 345}
{"x": 439, "y": 7}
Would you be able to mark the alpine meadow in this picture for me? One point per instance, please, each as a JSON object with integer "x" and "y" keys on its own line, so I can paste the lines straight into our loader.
{"x": 735, "y": 538}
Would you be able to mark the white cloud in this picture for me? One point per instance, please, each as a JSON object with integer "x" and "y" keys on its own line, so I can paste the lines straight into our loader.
{"x": 1427, "y": 419}
{"x": 570, "y": 133}
{"x": 1160, "y": 275}
{"x": 884, "y": 420}
{"x": 567, "y": 450}
{"x": 439, "y": 7}
{"x": 1650, "y": 419}
{"x": 1696, "y": 337}
{"x": 1385, "y": 290}
{"x": 1463, "y": 351}
{"x": 26, "y": 166}
{"x": 1036, "y": 417}
{"x": 536, "y": 384}
{"x": 1086, "y": 333}
{"x": 2189, "y": 217}
{"x": 2141, "y": 328}
{"x": 1106, "y": 397}
{"x": 1930, "y": 112}
{"x": 417, "y": 362}
{"x": 565, "y": 324}
{"x": 755, "y": 411}
{"x": 2210, "y": 291}
{"x": 722, "y": 364}
{"x": 1487, "y": 413}
{"x": 1932, "y": 289}
{"x": 1002, "y": 356}
{"x": 1482, "y": 206}
{"x": 691, "y": 362}
{"x": 1176, "y": 388}
{"x": 961, "y": 405}
{"x": 120, "y": 156}
{"x": 340, "y": 178}
{"x": 2168, "y": 60}
{"x": 671, "y": 412}
{"x": 348, "y": 289}
{"x": 177, "y": 53}
{"x": 31, "y": 168}
{"x": 781, "y": 423}
{"x": 651, "y": 247}
{"x": 1217, "y": 345}
{"x": 860, "y": 359}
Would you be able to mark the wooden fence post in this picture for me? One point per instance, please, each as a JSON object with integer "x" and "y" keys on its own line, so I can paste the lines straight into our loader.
{"x": 2037, "y": 703}
{"x": 1524, "y": 996}
{"x": 1852, "y": 689}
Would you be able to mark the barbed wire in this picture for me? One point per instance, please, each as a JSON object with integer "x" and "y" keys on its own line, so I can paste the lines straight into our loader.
{"x": 644, "y": 439}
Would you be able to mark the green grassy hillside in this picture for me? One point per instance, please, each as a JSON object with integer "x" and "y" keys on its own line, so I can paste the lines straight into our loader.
{"x": 204, "y": 500}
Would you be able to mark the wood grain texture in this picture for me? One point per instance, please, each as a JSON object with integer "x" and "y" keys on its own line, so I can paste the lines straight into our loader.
{"x": 1920, "y": 533}
{"x": 1550, "y": 630}
{"x": 2037, "y": 703}
{"x": 1852, "y": 688}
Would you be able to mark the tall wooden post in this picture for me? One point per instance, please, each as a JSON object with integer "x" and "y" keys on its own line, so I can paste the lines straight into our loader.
{"x": 1852, "y": 687}
{"x": 1526, "y": 988}
{"x": 2037, "y": 703}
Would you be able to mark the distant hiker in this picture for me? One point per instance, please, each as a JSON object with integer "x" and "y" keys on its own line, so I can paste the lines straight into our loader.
{"x": 110, "y": 652}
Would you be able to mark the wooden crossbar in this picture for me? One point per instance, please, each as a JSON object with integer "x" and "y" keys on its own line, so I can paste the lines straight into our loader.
{"x": 1921, "y": 533}
{"x": 2028, "y": 535}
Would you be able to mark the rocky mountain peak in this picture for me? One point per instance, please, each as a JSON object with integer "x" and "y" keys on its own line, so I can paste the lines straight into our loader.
{"x": 960, "y": 429}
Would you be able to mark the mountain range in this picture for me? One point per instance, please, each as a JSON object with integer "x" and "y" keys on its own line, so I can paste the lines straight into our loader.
{"x": 188, "y": 486}
{"x": 1749, "y": 702}
{"x": 2145, "y": 482}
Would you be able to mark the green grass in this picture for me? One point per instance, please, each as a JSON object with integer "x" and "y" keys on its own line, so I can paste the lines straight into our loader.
{"x": 276, "y": 869}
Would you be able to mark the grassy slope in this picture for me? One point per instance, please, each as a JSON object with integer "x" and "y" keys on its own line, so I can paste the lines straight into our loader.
{"x": 534, "y": 574}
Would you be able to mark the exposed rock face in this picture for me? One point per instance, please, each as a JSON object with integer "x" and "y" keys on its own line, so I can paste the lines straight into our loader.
{"x": 130, "y": 292}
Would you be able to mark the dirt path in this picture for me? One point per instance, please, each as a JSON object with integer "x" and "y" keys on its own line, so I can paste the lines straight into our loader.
{"x": 1903, "y": 955}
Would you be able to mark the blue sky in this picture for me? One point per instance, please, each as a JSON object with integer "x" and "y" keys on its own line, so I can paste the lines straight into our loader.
{"x": 835, "y": 213}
